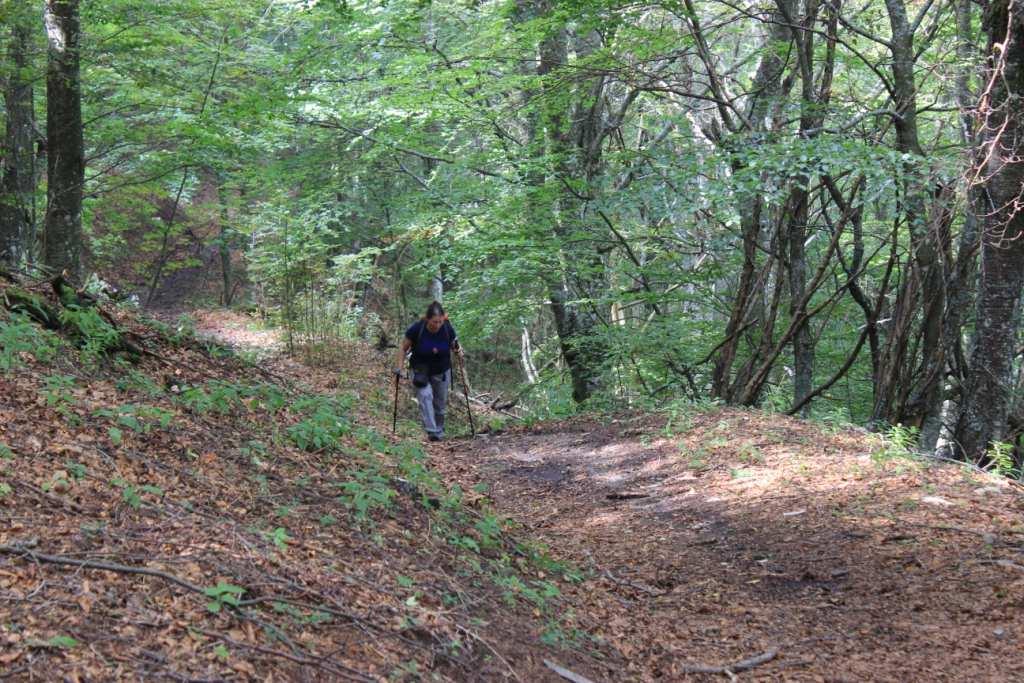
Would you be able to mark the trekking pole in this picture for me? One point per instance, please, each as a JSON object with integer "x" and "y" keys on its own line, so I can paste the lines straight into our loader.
{"x": 394, "y": 420}
{"x": 465, "y": 392}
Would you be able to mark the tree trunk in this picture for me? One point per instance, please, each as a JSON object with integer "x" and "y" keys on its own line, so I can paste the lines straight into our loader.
{"x": 62, "y": 236}
{"x": 987, "y": 397}
{"x": 766, "y": 86}
{"x": 17, "y": 170}
{"x": 925, "y": 385}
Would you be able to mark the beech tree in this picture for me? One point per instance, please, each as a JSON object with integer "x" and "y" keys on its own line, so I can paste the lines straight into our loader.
{"x": 65, "y": 162}
{"x": 18, "y": 174}
{"x": 990, "y": 390}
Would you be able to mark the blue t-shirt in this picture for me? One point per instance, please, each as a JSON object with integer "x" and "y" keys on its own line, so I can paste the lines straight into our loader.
{"x": 432, "y": 349}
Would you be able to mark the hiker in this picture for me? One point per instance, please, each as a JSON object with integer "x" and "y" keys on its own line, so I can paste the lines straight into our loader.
{"x": 431, "y": 340}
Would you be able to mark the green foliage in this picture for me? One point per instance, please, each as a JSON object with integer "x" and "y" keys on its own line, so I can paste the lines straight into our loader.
{"x": 899, "y": 442}
{"x": 20, "y": 335}
{"x": 135, "y": 380}
{"x": 62, "y": 642}
{"x": 5, "y": 490}
{"x": 223, "y": 595}
{"x": 129, "y": 494}
{"x": 139, "y": 418}
{"x": 58, "y": 395}
{"x": 326, "y": 422}
{"x": 1000, "y": 454}
{"x": 94, "y": 334}
{"x": 368, "y": 490}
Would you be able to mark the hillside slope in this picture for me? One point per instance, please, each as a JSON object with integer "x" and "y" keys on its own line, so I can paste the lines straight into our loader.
{"x": 171, "y": 513}
{"x": 183, "y": 515}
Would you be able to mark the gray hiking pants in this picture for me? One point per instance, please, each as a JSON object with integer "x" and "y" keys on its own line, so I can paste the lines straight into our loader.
{"x": 433, "y": 400}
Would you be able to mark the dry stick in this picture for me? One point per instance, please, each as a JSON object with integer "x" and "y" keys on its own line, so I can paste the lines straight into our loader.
{"x": 338, "y": 669}
{"x": 565, "y": 673}
{"x": 741, "y": 665}
{"x": 22, "y": 551}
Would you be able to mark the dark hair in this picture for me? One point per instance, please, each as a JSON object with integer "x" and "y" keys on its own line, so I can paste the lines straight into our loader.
{"x": 434, "y": 310}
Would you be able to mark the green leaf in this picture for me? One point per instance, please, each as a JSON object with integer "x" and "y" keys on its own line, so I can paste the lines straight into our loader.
{"x": 116, "y": 436}
{"x": 62, "y": 642}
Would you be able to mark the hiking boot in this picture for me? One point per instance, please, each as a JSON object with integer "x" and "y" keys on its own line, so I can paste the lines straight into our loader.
{"x": 433, "y": 437}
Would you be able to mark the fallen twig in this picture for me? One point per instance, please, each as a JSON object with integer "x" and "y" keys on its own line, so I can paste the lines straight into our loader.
{"x": 1009, "y": 564}
{"x": 728, "y": 669}
{"x": 23, "y": 551}
{"x": 631, "y": 584}
{"x": 334, "y": 667}
{"x": 565, "y": 673}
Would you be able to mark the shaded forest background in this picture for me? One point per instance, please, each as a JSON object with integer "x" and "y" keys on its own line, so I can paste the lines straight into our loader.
{"x": 811, "y": 206}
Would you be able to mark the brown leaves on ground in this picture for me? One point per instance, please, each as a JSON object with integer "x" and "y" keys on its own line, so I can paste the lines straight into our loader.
{"x": 707, "y": 543}
{"x": 737, "y": 533}
{"x": 150, "y": 532}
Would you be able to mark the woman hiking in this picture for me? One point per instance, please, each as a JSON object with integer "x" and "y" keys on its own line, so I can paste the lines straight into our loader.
{"x": 431, "y": 340}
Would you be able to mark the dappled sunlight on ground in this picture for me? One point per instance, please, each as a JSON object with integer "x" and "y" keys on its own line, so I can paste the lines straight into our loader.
{"x": 738, "y": 532}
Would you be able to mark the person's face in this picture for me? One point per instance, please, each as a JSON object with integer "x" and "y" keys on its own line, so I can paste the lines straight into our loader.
{"x": 434, "y": 323}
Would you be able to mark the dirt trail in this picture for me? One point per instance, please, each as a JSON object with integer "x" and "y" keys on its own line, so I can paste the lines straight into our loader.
{"x": 713, "y": 538}
{"x": 746, "y": 534}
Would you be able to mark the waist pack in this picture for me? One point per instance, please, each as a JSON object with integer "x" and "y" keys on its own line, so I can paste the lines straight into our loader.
{"x": 420, "y": 376}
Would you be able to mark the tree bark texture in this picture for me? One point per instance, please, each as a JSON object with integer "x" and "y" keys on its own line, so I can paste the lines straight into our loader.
{"x": 988, "y": 394}
{"x": 62, "y": 237}
{"x": 17, "y": 172}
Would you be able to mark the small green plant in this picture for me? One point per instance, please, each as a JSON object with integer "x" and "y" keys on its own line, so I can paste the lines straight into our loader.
{"x": 898, "y": 443}
{"x": 1000, "y": 454}
{"x": 139, "y": 418}
{"x": 6, "y": 454}
{"x": 280, "y": 538}
{"x": 59, "y": 397}
{"x": 75, "y": 469}
{"x": 5, "y": 490}
{"x": 367, "y": 491}
{"x": 184, "y": 330}
{"x": 750, "y": 454}
{"x": 128, "y": 493}
{"x": 326, "y": 423}
{"x": 19, "y": 335}
{"x": 223, "y": 595}
{"x": 134, "y": 380}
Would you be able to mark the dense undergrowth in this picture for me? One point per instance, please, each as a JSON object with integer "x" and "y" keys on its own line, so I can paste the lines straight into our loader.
{"x": 174, "y": 511}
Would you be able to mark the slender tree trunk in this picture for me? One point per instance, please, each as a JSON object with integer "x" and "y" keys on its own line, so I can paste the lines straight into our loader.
{"x": 963, "y": 270}
{"x": 925, "y": 390}
{"x": 988, "y": 393}
{"x": 766, "y": 88}
{"x": 62, "y": 236}
{"x": 17, "y": 171}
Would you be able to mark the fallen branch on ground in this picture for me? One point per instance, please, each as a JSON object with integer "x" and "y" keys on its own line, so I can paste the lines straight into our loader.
{"x": 565, "y": 673}
{"x": 24, "y": 551}
{"x": 741, "y": 665}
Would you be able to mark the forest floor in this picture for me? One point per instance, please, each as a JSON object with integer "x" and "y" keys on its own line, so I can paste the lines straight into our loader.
{"x": 685, "y": 545}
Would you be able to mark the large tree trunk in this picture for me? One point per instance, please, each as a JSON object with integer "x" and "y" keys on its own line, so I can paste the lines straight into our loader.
{"x": 17, "y": 171}
{"x": 987, "y": 396}
{"x": 62, "y": 237}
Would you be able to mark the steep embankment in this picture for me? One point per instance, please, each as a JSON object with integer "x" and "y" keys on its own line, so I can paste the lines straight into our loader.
{"x": 168, "y": 512}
